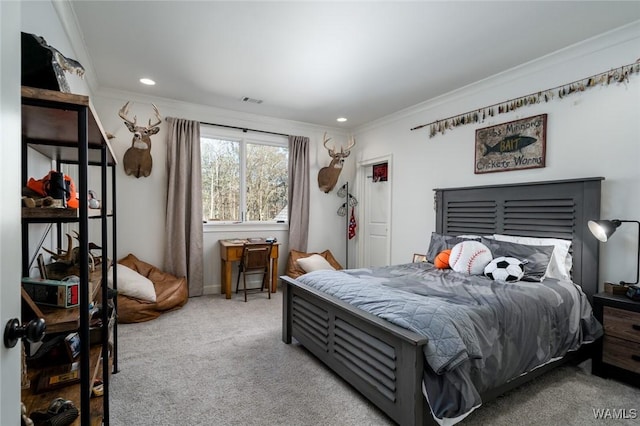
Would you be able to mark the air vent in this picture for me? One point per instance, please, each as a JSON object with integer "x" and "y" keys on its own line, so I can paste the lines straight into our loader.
{"x": 251, "y": 100}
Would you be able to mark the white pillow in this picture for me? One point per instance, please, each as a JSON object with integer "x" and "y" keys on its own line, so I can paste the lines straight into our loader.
{"x": 561, "y": 260}
{"x": 132, "y": 284}
{"x": 315, "y": 262}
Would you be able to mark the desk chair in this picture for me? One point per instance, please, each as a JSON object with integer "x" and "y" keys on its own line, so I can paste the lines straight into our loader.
{"x": 256, "y": 259}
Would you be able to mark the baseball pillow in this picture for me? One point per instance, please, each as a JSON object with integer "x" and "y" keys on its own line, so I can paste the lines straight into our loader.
{"x": 470, "y": 257}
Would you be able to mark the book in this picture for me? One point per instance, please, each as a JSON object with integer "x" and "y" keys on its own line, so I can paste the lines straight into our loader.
{"x": 72, "y": 343}
{"x": 236, "y": 241}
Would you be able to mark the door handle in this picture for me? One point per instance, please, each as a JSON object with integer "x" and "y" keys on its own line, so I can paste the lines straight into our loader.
{"x": 33, "y": 331}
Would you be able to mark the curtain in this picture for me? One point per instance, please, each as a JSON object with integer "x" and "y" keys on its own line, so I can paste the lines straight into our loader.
{"x": 298, "y": 192}
{"x": 183, "y": 254}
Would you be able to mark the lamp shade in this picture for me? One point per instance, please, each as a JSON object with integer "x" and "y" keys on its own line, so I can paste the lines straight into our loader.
{"x": 603, "y": 229}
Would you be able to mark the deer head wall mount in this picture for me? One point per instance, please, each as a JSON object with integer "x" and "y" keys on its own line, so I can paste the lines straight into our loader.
{"x": 328, "y": 176}
{"x": 137, "y": 159}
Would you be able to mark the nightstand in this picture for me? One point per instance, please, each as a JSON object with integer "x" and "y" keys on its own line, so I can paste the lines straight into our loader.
{"x": 617, "y": 354}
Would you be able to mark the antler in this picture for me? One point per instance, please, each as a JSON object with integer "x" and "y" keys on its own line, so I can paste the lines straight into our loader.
{"x": 352, "y": 142}
{"x": 125, "y": 110}
{"x": 123, "y": 114}
{"x": 155, "y": 110}
{"x": 64, "y": 256}
{"x": 324, "y": 142}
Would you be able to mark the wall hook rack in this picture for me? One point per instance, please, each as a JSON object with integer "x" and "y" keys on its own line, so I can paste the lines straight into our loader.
{"x": 350, "y": 201}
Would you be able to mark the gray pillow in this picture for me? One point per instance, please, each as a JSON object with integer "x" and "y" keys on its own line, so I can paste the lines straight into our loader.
{"x": 441, "y": 242}
{"x": 535, "y": 258}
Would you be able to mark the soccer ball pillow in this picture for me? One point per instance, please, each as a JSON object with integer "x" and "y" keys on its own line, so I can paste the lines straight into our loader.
{"x": 503, "y": 268}
{"x": 470, "y": 257}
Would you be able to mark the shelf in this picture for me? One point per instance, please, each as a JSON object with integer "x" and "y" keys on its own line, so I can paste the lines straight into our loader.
{"x": 40, "y": 401}
{"x": 60, "y": 320}
{"x": 53, "y": 214}
{"x": 50, "y": 125}
{"x": 49, "y": 213}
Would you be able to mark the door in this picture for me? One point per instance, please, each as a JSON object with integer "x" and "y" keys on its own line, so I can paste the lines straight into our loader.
{"x": 375, "y": 213}
{"x": 10, "y": 236}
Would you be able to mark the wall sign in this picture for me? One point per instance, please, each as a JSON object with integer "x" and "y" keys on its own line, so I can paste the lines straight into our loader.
{"x": 380, "y": 172}
{"x": 516, "y": 145}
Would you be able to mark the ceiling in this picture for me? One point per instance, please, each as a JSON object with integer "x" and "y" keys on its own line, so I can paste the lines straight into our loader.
{"x": 316, "y": 61}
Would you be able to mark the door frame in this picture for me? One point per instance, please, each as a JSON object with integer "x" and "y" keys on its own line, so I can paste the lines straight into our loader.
{"x": 10, "y": 235}
{"x": 362, "y": 176}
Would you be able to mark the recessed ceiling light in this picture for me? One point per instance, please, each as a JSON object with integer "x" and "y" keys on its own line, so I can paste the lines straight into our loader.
{"x": 147, "y": 81}
{"x": 341, "y": 119}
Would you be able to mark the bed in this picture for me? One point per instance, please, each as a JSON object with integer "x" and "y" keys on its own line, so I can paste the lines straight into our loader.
{"x": 386, "y": 362}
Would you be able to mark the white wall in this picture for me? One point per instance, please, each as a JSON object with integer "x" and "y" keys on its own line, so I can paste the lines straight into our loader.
{"x": 594, "y": 133}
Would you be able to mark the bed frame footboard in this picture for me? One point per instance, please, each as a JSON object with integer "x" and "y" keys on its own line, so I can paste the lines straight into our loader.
{"x": 382, "y": 361}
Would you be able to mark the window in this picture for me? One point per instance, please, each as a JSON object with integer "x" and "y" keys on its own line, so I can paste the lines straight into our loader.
{"x": 244, "y": 179}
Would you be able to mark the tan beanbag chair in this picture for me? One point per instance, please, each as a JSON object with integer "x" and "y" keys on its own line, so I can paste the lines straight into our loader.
{"x": 171, "y": 293}
{"x": 294, "y": 270}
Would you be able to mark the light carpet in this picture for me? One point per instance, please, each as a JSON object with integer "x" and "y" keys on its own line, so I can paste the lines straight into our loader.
{"x": 223, "y": 362}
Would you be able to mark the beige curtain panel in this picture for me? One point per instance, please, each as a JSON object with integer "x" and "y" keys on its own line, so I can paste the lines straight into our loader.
{"x": 183, "y": 252}
{"x": 298, "y": 192}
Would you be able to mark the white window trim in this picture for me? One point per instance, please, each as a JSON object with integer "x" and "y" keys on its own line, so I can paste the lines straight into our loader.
{"x": 212, "y": 132}
{"x": 211, "y": 227}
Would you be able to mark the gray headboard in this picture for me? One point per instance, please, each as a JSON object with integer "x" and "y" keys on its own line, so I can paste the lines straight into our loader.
{"x": 553, "y": 209}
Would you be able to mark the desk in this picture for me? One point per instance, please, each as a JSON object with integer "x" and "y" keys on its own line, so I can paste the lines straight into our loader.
{"x": 231, "y": 251}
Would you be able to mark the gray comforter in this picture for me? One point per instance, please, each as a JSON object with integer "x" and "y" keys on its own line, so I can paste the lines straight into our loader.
{"x": 482, "y": 333}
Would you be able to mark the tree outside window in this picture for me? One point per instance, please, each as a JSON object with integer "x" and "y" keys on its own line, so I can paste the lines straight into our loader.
{"x": 244, "y": 180}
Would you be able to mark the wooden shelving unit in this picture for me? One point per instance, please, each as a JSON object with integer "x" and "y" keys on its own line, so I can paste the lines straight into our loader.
{"x": 65, "y": 128}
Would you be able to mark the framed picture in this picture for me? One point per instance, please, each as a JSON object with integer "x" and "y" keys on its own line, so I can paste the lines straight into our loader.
{"x": 417, "y": 257}
{"x": 380, "y": 172}
{"x": 516, "y": 145}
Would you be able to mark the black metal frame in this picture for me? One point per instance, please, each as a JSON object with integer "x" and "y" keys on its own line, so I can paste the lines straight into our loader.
{"x": 385, "y": 362}
{"x": 83, "y": 162}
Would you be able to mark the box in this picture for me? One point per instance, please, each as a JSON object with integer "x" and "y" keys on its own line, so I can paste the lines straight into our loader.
{"x": 613, "y": 288}
{"x": 62, "y": 294}
{"x": 56, "y": 377}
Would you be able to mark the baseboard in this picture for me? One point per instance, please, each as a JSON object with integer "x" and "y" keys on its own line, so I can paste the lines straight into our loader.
{"x": 211, "y": 289}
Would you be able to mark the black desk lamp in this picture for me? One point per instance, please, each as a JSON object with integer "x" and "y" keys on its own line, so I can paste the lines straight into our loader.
{"x": 603, "y": 229}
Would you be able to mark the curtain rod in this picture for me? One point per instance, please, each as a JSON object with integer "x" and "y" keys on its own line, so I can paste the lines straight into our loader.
{"x": 244, "y": 129}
